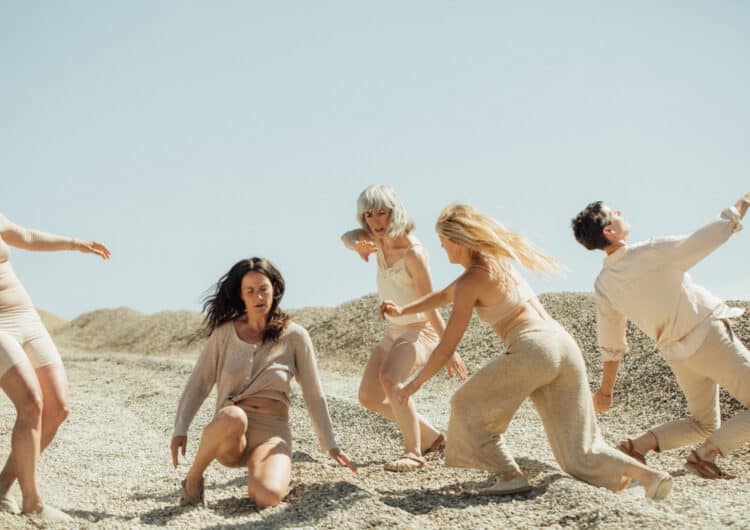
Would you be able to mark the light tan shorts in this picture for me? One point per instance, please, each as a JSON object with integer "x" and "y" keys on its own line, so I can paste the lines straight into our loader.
{"x": 23, "y": 336}
{"x": 262, "y": 429}
{"x": 423, "y": 337}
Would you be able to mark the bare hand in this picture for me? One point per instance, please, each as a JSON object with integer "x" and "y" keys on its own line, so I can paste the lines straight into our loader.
{"x": 391, "y": 309}
{"x": 93, "y": 247}
{"x": 405, "y": 392}
{"x": 177, "y": 443}
{"x": 342, "y": 458}
{"x": 602, "y": 401}
{"x": 742, "y": 204}
{"x": 364, "y": 248}
{"x": 456, "y": 366}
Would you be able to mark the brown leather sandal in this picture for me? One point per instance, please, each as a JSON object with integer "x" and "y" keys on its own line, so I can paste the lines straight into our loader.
{"x": 627, "y": 448}
{"x": 705, "y": 468}
{"x": 438, "y": 446}
{"x": 405, "y": 463}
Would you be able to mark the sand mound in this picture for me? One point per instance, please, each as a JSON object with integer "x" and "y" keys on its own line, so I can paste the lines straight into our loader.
{"x": 51, "y": 322}
{"x": 126, "y": 330}
{"x": 344, "y": 337}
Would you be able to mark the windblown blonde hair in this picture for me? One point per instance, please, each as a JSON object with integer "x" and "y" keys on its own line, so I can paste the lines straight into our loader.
{"x": 465, "y": 225}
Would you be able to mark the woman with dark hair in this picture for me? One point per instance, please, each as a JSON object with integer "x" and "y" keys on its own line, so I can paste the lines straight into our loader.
{"x": 252, "y": 353}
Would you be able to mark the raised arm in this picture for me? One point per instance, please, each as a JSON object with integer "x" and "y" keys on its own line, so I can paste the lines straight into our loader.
{"x": 687, "y": 251}
{"x": 611, "y": 327}
{"x": 30, "y": 239}
{"x": 359, "y": 241}
{"x": 312, "y": 392}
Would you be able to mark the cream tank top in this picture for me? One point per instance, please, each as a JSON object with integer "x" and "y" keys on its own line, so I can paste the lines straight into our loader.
{"x": 518, "y": 292}
{"x": 395, "y": 284}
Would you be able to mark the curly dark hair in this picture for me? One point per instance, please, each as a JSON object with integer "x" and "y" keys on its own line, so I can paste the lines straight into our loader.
{"x": 226, "y": 303}
{"x": 588, "y": 226}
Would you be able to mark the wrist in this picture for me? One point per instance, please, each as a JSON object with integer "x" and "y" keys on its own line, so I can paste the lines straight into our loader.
{"x": 73, "y": 245}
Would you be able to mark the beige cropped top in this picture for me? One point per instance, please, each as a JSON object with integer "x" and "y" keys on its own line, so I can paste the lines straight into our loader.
{"x": 396, "y": 284}
{"x": 517, "y": 292}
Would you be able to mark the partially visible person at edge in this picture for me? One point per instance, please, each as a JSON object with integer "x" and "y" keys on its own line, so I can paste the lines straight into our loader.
{"x": 542, "y": 362}
{"x": 403, "y": 274}
{"x": 253, "y": 352}
{"x": 31, "y": 371}
{"x": 648, "y": 283}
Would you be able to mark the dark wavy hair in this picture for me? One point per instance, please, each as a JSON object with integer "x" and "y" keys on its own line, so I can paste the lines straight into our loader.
{"x": 226, "y": 303}
{"x": 588, "y": 226}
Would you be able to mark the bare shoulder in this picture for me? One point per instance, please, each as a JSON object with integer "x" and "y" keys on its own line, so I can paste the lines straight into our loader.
{"x": 357, "y": 234}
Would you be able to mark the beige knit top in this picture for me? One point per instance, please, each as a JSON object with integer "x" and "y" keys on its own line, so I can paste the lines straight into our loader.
{"x": 240, "y": 369}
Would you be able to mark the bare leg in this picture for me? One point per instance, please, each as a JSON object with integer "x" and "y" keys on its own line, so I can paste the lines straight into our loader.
{"x": 54, "y": 387}
{"x": 373, "y": 397}
{"x": 224, "y": 440}
{"x": 22, "y": 387}
{"x": 400, "y": 362}
{"x": 269, "y": 472}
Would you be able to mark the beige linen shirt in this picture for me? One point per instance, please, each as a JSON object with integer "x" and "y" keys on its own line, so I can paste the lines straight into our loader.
{"x": 240, "y": 369}
{"x": 648, "y": 283}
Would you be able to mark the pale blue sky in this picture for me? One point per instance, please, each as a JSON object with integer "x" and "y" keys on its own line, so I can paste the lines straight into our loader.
{"x": 188, "y": 135}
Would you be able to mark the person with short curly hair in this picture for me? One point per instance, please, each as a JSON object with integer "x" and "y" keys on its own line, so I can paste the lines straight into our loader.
{"x": 648, "y": 283}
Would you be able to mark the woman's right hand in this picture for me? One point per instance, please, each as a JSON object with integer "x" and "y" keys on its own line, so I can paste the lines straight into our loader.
{"x": 390, "y": 308}
{"x": 177, "y": 443}
{"x": 342, "y": 458}
{"x": 364, "y": 248}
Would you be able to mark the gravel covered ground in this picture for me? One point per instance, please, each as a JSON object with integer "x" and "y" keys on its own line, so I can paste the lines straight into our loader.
{"x": 110, "y": 465}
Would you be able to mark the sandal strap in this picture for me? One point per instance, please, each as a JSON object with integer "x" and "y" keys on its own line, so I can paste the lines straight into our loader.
{"x": 708, "y": 469}
{"x": 628, "y": 448}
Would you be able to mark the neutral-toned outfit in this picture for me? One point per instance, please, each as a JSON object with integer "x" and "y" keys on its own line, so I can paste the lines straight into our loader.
{"x": 22, "y": 334}
{"x": 241, "y": 370}
{"x": 396, "y": 284}
{"x": 648, "y": 283}
{"x": 542, "y": 362}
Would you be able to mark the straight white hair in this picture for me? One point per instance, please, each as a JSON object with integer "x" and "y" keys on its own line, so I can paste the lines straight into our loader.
{"x": 382, "y": 197}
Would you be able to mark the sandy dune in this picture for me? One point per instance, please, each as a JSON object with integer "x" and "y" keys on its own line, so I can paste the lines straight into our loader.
{"x": 109, "y": 466}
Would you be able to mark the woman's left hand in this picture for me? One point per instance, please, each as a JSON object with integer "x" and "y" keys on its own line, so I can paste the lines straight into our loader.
{"x": 456, "y": 365}
{"x": 390, "y": 308}
{"x": 92, "y": 247}
{"x": 405, "y": 392}
{"x": 342, "y": 458}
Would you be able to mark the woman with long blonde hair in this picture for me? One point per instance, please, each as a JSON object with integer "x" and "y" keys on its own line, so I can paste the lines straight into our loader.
{"x": 542, "y": 362}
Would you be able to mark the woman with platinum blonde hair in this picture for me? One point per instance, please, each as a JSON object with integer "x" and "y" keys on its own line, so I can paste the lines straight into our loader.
{"x": 542, "y": 362}
{"x": 403, "y": 275}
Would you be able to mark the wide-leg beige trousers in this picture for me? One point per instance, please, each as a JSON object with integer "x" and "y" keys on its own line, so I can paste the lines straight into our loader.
{"x": 722, "y": 360}
{"x": 544, "y": 363}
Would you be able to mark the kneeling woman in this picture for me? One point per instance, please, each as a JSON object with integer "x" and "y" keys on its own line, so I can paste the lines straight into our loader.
{"x": 543, "y": 362}
{"x": 252, "y": 354}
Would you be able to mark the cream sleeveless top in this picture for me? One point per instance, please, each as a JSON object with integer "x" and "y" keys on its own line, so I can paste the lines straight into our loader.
{"x": 395, "y": 284}
{"x": 517, "y": 292}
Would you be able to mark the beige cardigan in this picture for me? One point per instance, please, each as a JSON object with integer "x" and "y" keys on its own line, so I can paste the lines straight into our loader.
{"x": 240, "y": 369}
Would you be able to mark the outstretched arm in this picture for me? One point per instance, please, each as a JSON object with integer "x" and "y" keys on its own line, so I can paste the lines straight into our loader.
{"x": 29, "y": 239}
{"x": 465, "y": 296}
{"x": 687, "y": 251}
{"x": 360, "y": 242}
{"x": 428, "y": 302}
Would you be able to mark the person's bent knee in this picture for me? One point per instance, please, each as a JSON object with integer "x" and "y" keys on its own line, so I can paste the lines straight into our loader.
{"x": 57, "y": 414}
{"x": 264, "y": 496}
{"x": 230, "y": 419}
{"x": 389, "y": 382}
